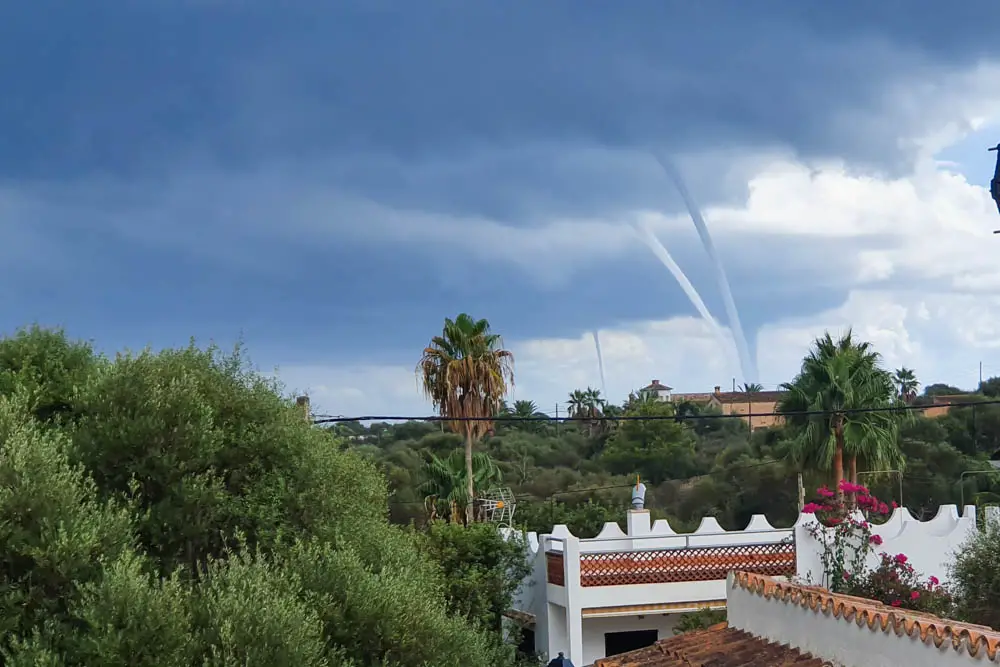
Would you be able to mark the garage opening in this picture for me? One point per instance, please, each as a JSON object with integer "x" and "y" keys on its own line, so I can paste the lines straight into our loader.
{"x": 623, "y": 642}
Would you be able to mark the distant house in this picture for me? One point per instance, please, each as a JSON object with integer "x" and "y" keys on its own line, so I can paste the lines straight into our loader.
{"x": 761, "y": 404}
{"x": 941, "y": 404}
{"x": 656, "y": 391}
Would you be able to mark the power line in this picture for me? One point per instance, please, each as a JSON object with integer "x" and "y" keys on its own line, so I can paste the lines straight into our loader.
{"x": 681, "y": 480}
{"x": 678, "y": 417}
{"x": 914, "y": 477}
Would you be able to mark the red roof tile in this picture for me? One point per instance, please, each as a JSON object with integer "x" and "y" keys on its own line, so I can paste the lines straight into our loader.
{"x": 718, "y": 646}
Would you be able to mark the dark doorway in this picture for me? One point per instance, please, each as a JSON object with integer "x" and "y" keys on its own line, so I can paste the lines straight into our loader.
{"x": 623, "y": 642}
{"x": 527, "y": 645}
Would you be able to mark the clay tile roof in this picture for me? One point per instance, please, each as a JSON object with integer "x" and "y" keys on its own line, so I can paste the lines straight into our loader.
{"x": 876, "y": 616}
{"x": 655, "y": 385}
{"x": 718, "y": 646}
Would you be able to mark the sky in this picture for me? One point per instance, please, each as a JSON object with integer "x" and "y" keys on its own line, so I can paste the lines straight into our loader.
{"x": 326, "y": 182}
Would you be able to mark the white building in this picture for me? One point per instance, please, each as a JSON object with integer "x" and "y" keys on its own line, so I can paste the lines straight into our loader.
{"x": 655, "y": 390}
{"x": 620, "y": 591}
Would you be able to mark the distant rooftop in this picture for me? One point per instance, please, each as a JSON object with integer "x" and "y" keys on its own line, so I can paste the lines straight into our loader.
{"x": 656, "y": 386}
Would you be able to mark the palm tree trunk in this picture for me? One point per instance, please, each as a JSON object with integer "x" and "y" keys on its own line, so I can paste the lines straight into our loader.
{"x": 854, "y": 480}
{"x": 469, "y": 486}
{"x": 838, "y": 458}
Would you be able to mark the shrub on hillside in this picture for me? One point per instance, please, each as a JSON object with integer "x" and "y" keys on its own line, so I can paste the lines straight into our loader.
{"x": 187, "y": 514}
{"x": 975, "y": 577}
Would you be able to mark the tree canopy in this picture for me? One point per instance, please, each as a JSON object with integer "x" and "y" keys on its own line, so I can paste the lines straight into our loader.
{"x": 174, "y": 508}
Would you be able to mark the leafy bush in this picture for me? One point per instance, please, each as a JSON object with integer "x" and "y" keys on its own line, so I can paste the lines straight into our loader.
{"x": 482, "y": 571}
{"x": 187, "y": 514}
{"x": 699, "y": 620}
{"x": 894, "y": 582}
{"x": 975, "y": 577}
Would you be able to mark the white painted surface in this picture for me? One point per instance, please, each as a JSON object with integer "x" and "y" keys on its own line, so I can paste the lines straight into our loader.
{"x": 929, "y": 545}
{"x": 839, "y": 641}
{"x": 594, "y": 630}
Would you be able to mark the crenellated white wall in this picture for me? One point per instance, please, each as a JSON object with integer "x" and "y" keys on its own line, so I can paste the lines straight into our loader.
{"x": 558, "y": 610}
{"x": 928, "y": 545}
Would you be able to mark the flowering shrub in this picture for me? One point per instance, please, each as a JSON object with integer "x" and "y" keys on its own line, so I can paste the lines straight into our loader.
{"x": 894, "y": 582}
{"x": 847, "y": 546}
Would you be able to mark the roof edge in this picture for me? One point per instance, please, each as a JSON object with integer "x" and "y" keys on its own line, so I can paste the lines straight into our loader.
{"x": 877, "y": 616}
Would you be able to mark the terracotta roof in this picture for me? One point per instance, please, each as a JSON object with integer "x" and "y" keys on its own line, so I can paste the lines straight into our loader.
{"x": 875, "y": 615}
{"x": 656, "y": 386}
{"x": 718, "y": 646}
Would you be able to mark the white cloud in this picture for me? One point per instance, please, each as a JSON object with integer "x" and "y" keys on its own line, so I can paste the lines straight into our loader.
{"x": 943, "y": 336}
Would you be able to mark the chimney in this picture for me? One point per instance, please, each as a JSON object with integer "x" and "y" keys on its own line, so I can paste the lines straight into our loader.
{"x": 655, "y": 382}
{"x": 718, "y": 390}
{"x": 302, "y": 403}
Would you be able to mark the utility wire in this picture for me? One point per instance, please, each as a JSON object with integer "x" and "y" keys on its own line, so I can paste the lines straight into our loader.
{"x": 679, "y": 417}
{"x": 721, "y": 471}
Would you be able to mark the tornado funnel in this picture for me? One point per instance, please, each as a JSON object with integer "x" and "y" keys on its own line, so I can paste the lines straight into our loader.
{"x": 649, "y": 238}
{"x": 600, "y": 362}
{"x": 747, "y": 362}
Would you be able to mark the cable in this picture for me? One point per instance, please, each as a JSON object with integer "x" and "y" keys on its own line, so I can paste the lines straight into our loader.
{"x": 679, "y": 418}
{"x": 679, "y": 480}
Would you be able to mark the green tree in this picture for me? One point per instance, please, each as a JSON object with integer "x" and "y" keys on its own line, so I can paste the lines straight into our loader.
{"x": 49, "y": 367}
{"x": 482, "y": 570}
{"x": 445, "y": 482}
{"x": 224, "y": 473}
{"x": 658, "y": 448}
{"x": 906, "y": 383}
{"x": 975, "y": 576}
{"x": 466, "y": 373}
{"x": 842, "y": 384}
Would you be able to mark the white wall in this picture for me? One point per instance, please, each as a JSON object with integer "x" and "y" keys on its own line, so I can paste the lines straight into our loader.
{"x": 841, "y": 640}
{"x": 595, "y": 628}
{"x": 928, "y": 545}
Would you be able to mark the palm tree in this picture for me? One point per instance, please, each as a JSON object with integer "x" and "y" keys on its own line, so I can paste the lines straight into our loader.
{"x": 587, "y": 404}
{"x": 906, "y": 383}
{"x": 466, "y": 373}
{"x": 446, "y": 480}
{"x": 837, "y": 379}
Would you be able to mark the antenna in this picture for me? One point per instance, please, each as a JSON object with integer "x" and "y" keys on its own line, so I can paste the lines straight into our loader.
{"x": 498, "y": 506}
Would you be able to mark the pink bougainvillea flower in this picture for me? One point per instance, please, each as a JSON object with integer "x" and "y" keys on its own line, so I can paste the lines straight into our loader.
{"x": 835, "y": 521}
{"x": 883, "y": 508}
{"x": 896, "y": 603}
{"x": 824, "y": 492}
{"x": 849, "y": 487}
{"x": 901, "y": 558}
{"x": 875, "y": 539}
{"x": 934, "y": 581}
{"x": 914, "y": 595}
{"x": 894, "y": 505}
{"x": 812, "y": 508}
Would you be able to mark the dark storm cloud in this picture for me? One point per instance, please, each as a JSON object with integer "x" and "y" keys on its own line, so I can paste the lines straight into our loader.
{"x": 114, "y": 85}
{"x": 512, "y": 110}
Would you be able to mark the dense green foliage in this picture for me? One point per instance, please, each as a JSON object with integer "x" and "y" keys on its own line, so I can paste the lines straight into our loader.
{"x": 975, "y": 575}
{"x": 174, "y": 509}
{"x": 702, "y": 465}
